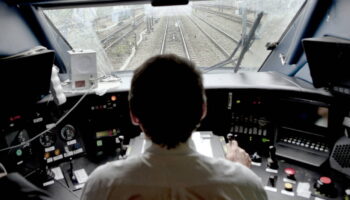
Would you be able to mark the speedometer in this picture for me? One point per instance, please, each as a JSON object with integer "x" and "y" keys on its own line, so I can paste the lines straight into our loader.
{"x": 68, "y": 132}
{"x": 47, "y": 140}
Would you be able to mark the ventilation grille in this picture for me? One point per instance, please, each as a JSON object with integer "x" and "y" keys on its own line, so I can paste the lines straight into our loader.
{"x": 341, "y": 154}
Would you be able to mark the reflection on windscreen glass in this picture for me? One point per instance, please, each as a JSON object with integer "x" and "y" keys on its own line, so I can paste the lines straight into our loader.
{"x": 205, "y": 32}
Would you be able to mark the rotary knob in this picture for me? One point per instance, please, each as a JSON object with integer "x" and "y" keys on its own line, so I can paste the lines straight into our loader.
{"x": 256, "y": 158}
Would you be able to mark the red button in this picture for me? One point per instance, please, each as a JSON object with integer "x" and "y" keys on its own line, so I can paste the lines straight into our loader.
{"x": 325, "y": 180}
{"x": 289, "y": 171}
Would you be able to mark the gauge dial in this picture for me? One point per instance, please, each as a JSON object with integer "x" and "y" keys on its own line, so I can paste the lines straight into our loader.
{"x": 68, "y": 132}
{"x": 47, "y": 140}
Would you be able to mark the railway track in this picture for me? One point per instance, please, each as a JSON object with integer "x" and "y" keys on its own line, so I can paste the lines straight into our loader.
{"x": 211, "y": 39}
{"x": 219, "y": 30}
{"x": 114, "y": 37}
{"x": 120, "y": 34}
{"x": 173, "y": 39}
{"x": 231, "y": 17}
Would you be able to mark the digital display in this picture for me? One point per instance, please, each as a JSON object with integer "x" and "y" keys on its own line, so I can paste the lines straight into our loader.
{"x": 317, "y": 116}
{"x": 106, "y": 133}
{"x": 305, "y": 115}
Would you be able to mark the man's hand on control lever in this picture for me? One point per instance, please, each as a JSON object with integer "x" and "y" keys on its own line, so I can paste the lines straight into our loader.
{"x": 237, "y": 154}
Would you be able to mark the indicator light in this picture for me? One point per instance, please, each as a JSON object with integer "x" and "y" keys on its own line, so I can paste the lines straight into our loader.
{"x": 57, "y": 152}
{"x": 113, "y": 98}
{"x": 99, "y": 143}
{"x": 19, "y": 152}
{"x": 264, "y": 140}
{"x": 46, "y": 155}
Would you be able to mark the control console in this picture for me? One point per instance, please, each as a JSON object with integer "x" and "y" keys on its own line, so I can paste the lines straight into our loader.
{"x": 281, "y": 178}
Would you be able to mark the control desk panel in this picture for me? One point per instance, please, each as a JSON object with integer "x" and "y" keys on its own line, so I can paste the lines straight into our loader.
{"x": 282, "y": 179}
{"x": 289, "y": 136}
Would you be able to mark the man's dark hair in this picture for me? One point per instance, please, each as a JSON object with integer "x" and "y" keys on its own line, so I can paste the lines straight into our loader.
{"x": 167, "y": 97}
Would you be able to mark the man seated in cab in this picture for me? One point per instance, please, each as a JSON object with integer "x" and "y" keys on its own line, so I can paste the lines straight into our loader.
{"x": 167, "y": 101}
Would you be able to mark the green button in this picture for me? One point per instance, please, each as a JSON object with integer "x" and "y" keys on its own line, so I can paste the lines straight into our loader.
{"x": 264, "y": 140}
{"x": 99, "y": 143}
{"x": 19, "y": 152}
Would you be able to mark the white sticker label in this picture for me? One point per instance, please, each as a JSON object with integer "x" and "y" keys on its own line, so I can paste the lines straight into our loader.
{"x": 272, "y": 170}
{"x": 79, "y": 186}
{"x": 37, "y": 120}
{"x": 303, "y": 190}
{"x": 48, "y": 183}
{"x": 71, "y": 142}
{"x": 271, "y": 189}
{"x": 48, "y": 149}
{"x": 80, "y": 150}
{"x": 70, "y": 153}
{"x": 58, "y": 173}
{"x": 287, "y": 180}
{"x": 81, "y": 175}
{"x": 256, "y": 164}
{"x": 287, "y": 193}
{"x": 317, "y": 198}
{"x": 49, "y": 160}
{"x": 59, "y": 157}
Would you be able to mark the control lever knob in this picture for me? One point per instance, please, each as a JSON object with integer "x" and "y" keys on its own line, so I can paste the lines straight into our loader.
{"x": 122, "y": 149}
{"x": 46, "y": 174}
{"x": 49, "y": 173}
{"x": 121, "y": 139}
{"x": 231, "y": 137}
{"x": 71, "y": 169}
{"x": 272, "y": 152}
{"x": 272, "y": 162}
{"x": 256, "y": 158}
{"x": 272, "y": 181}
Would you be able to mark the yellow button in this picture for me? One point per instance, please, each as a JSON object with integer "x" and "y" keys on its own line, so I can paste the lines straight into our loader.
{"x": 57, "y": 152}
{"x": 288, "y": 186}
{"x": 46, "y": 155}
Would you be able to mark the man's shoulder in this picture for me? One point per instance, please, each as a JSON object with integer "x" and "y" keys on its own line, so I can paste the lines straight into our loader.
{"x": 230, "y": 170}
{"x": 114, "y": 168}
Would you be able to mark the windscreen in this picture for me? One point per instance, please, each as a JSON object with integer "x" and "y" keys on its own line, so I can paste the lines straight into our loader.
{"x": 205, "y": 32}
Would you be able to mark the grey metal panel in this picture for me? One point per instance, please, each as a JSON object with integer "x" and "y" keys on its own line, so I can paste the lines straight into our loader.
{"x": 15, "y": 35}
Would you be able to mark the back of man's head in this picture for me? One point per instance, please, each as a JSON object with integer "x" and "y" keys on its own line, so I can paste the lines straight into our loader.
{"x": 167, "y": 97}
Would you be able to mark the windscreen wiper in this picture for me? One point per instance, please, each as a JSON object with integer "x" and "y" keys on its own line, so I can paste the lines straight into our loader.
{"x": 245, "y": 47}
{"x": 248, "y": 41}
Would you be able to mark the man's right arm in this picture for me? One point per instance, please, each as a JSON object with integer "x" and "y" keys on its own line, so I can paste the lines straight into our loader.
{"x": 95, "y": 187}
{"x": 237, "y": 154}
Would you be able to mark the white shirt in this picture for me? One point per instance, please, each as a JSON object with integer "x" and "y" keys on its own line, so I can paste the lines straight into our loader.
{"x": 180, "y": 173}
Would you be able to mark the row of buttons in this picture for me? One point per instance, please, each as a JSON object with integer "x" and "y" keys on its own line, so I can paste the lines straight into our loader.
{"x": 248, "y": 130}
{"x": 52, "y": 154}
{"x": 342, "y": 90}
{"x": 251, "y": 120}
{"x": 318, "y": 146}
{"x": 101, "y": 107}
